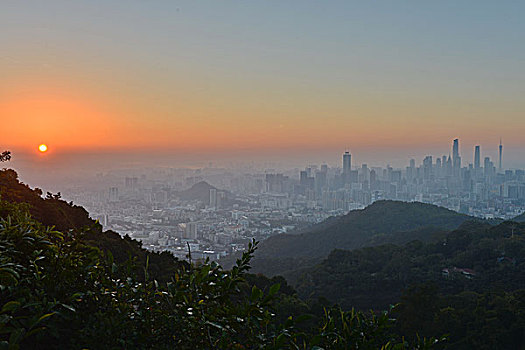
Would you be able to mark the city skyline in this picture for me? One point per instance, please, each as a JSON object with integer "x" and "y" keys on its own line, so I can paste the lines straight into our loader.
{"x": 216, "y": 209}
{"x": 49, "y": 171}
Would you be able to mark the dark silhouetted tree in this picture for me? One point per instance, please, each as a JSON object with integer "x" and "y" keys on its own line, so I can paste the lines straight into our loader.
{"x": 5, "y": 156}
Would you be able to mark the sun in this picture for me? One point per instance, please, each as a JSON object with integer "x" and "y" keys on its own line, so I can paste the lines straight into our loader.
{"x": 42, "y": 148}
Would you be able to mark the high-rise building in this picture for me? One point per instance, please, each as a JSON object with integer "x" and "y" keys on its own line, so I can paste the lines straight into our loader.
{"x": 191, "y": 230}
{"x": 303, "y": 176}
{"x": 131, "y": 182}
{"x": 319, "y": 181}
{"x": 221, "y": 197}
{"x": 455, "y": 151}
{"x": 373, "y": 180}
{"x": 427, "y": 167}
{"x": 213, "y": 197}
{"x": 449, "y": 165}
{"x": 347, "y": 167}
{"x": 363, "y": 173}
{"x": 500, "y": 167}
{"x": 347, "y": 163}
{"x": 477, "y": 157}
{"x": 488, "y": 167}
{"x": 456, "y": 159}
{"x": 113, "y": 194}
{"x": 427, "y": 162}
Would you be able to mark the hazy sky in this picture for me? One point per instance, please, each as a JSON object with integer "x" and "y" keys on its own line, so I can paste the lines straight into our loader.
{"x": 386, "y": 79}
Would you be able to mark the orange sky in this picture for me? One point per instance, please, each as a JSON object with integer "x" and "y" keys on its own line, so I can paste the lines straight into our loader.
{"x": 69, "y": 117}
{"x": 82, "y": 77}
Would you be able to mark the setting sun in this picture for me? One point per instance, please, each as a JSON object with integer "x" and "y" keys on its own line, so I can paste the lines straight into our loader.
{"x": 42, "y": 148}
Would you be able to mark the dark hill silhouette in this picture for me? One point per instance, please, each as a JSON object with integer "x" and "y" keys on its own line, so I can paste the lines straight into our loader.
{"x": 374, "y": 277}
{"x": 53, "y": 211}
{"x": 382, "y": 222}
{"x": 201, "y": 192}
{"x": 198, "y": 192}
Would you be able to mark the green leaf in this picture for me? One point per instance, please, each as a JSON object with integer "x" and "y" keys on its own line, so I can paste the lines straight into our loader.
{"x": 274, "y": 289}
{"x": 256, "y": 293}
{"x": 34, "y": 331}
{"x": 15, "y": 336}
{"x": 43, "y": 317}
{"x": 10, "y": 306}
{"x": 279, "y": 341}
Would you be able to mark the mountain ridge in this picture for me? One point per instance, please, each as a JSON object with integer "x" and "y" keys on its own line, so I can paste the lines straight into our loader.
{"x": 357, "y": 228}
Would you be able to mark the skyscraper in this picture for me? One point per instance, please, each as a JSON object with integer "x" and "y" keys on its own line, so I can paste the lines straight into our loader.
{"x": 427, "y": 167}
{"x": 477, "y": 157}
{"x": 455, "y": 151}
{"x": 347, "y": 166}
{"x": 347, "y": 162}
{"x": 500, "y": 167}
{"x": 456, "y": 159}
{"x": 489, "y": 169}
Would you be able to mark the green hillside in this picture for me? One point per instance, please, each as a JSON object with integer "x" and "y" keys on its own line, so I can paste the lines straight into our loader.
{"x": 374, "y": 277}
{"x": 476, "y": 264}
{"x": 382, "y": 222}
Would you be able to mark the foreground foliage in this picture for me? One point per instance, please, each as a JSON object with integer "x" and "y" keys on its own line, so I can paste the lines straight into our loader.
{"x": 56, "y": 291}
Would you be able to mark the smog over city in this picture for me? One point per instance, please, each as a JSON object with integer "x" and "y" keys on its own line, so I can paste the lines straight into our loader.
{"x": 312, "y": 159}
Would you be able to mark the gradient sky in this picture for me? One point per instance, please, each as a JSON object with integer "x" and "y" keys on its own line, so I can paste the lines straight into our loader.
{"x": 385, "y": 79}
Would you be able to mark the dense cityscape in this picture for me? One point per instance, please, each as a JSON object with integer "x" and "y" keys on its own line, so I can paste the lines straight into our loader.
{"x": 217, "y": 211}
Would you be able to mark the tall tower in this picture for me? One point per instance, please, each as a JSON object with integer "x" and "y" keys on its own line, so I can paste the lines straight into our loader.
{"x": 477, "y": 157}
{"x": 456, "y": 159}
{"x": 347, "y": 163}
{"x": 500, "y": 155}
{"x": 455, "y": 151}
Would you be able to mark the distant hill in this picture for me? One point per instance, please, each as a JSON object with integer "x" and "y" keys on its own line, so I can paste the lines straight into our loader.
{"x": 198, "y": 192}
{"x": 485, "y": 257}
{"x": 380, "y": 223}
{"x": 201, "y": 192}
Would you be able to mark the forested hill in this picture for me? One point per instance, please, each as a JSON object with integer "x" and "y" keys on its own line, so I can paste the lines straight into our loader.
{"x": 55, "y": 212}
{"x": 380, "y": 223}
{"x": 476, "y": 257}
{"x": 469, "y": 285}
